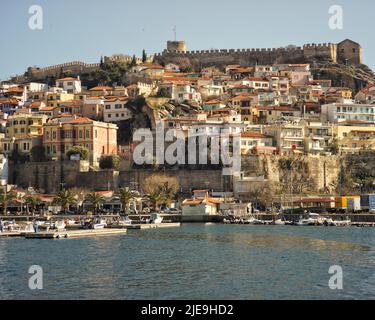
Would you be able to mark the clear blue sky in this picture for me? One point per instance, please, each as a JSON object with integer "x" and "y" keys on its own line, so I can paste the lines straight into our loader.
{"x": 86, "y": 29}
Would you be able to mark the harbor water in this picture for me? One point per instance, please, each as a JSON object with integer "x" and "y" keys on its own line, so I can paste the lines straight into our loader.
{"x": 196, "y": 261}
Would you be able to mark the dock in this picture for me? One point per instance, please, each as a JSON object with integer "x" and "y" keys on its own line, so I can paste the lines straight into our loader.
{"x": 10, "y": 234}
{"x": 75, "y": 233}
{"x": 153, "y": 225}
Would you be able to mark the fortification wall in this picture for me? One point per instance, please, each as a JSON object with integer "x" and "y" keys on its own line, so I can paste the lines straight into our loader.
{"x": 222, "y": 57}
{"x": 75, "y": 67}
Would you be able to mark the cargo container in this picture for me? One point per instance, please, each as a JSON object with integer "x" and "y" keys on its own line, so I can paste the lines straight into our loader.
{"x": 368, "y": 202}
{"x": 348, "y": 204}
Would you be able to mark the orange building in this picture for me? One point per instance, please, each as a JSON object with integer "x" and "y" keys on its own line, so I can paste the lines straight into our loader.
{"x": 62, "y": 133}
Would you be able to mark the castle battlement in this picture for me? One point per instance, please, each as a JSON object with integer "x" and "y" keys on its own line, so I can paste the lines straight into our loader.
{"x": 176, "y": 52}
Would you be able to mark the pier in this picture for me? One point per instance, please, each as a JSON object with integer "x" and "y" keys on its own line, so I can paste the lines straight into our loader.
{"x": 154, "y": 225}
{"x": 75, "y": 233}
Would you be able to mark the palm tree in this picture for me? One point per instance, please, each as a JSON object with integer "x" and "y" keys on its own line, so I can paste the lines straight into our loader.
{"x": 95, "y": 199}
{"x": 155, "y": 197}
{"x": 65, "y": 198}
{"x": 5, "y": 199}
{"x": 126, "y": 196}
{"x": 32, "y": 202}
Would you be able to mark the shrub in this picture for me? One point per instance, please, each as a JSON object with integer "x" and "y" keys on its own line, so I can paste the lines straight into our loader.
{"x": 78, "y": 150}
{"x": 109, "y": 162}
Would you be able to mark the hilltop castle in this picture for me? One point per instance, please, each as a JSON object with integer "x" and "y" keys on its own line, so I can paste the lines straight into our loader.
{"x": 347, "y": 51}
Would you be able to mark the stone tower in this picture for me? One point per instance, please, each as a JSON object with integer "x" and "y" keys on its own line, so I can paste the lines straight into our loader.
{"x": 176, "y": 46}
{"x": 349, "y": 52}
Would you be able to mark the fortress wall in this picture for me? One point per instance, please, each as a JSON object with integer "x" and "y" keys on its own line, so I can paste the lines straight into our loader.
{"x": 74, "y": 67}
{"x": 222, "y": 57}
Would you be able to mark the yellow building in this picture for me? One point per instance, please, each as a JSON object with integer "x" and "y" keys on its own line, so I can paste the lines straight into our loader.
{"x": 23, "y": 132}
{"x": 54, "y": 99}
{"x": 352, "y": 138}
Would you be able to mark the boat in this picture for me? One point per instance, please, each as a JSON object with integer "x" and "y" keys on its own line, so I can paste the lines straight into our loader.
{"x": 59, "y": 225}
{"x": 314, "y": 219}
{"x": 280, "y": 222}
{"x": 156, "y": 218}
{"x": 126, "y": 221}
{"x": 99, "y": 224}
{"x": 11, "y": 226}
{"x": 28, "y": 228}
{"x": 337, "y": 223}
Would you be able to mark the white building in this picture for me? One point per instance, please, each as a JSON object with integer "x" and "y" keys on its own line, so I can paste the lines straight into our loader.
{"x": 115, "y": 109}
{"x": 182, "y": 93}
{"x": 36, "y": 87}
{"x": 339, "y": 112}
{"x": 70, "y": 85}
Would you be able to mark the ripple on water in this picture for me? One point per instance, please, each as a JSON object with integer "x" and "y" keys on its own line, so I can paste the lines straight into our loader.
{"x": 195, "y": 262}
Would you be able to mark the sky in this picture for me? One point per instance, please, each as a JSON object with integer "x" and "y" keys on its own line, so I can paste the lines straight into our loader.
{"x": 84, "y": 30}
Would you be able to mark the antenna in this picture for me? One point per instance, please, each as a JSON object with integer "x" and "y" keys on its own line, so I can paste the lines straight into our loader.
{"x": 175, "y": 33}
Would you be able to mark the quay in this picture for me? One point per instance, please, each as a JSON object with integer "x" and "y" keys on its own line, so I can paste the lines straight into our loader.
{"x": 153, "y": 225}
{"x": 10, "y": 234}
{"x": 75, "y": 233}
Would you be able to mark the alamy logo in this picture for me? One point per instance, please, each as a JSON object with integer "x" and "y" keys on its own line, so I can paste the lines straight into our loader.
{"x": 336, "y": 21}
{"x": 336, "y": 281}
{"x": 36, "y": 280}
{"x": 36, "y": 20}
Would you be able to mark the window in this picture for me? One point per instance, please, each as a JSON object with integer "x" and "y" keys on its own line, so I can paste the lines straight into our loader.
{"x": 96, "y": 133}
{"x": 107, "y": 107}
{"x": 87, "y": 133}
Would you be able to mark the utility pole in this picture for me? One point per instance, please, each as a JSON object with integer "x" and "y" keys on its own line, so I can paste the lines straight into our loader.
{"x": 175, "y": 33}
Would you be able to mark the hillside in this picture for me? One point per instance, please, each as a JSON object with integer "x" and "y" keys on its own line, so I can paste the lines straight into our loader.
{"x": 354, "y": 77}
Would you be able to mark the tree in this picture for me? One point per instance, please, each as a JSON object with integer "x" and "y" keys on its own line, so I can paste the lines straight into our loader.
{"x": 78, "y": 150}
{"x": 38, "y": 154}
{"x": 333, "y": 147}
{"x": 80, "y": 195}
{"x": 155, "y": 198}
{"x": 126, "y": 196}
{"x": 5, "y": 199}
{"x": 32, "y": 203}
{"x": 95, "y": 199}
{"x": 109, "y": 162}
{"x": 144, "y": 56}
{"x": 133, "y": 62}
{"x": 160, "y": 188}
{"x": 65, "y": 198}
{"x": 163, "y": 93}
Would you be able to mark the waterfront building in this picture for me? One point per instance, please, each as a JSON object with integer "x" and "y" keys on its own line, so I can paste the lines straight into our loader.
{"x": 62, "y": 133}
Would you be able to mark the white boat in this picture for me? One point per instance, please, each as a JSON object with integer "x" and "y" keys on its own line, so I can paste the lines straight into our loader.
{"x": 314, "y": 219}
{"x": 100, "y": 224}
{"x": 337, "y": 223}
{"x": 28, "y": 228}
{"x": 126, "y": 221}
{"x": 11, "y": 226}
{"x": 156, "y": 218}
{"x": 280, "y": 222}
{"x": 59, "y": 225}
